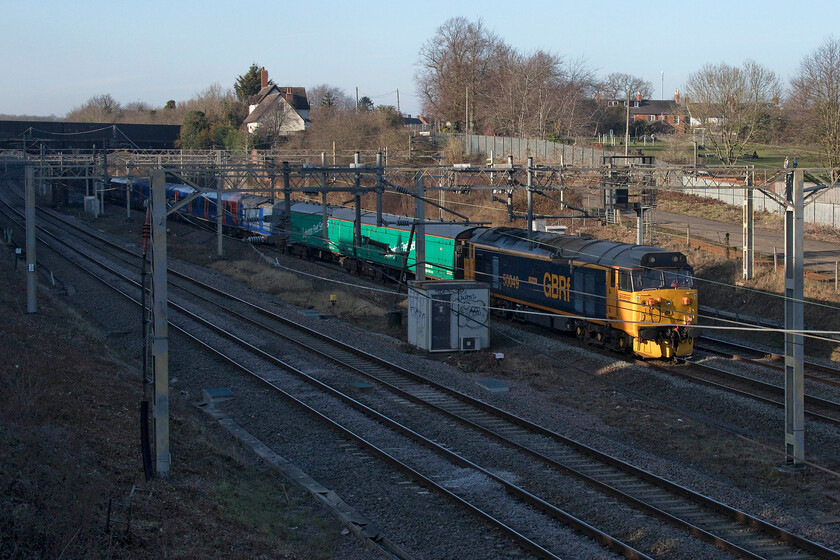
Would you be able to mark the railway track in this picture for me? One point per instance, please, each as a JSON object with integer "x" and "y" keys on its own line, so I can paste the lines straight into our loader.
{"x": 816, "y": 372}
{"x": 700, "y": 516}
{"x": 327, "y": 414}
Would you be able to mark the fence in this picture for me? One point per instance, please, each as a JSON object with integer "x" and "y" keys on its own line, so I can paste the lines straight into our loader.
{"x": 825, "y": 210}
{"x": 522, "y": 148}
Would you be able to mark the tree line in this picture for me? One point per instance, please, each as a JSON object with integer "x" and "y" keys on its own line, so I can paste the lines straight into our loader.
{"x": 469, "y": 79}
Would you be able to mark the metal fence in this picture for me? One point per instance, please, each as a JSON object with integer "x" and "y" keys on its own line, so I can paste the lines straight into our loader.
{"x": 543, "y": 151}
{"x": 825, "y": 210}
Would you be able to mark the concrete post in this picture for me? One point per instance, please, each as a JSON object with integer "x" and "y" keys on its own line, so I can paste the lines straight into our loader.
{"x": 748, "y": 228}
{"x": 160, "y": 324}
{"x": 379, "y": 188}
{"x": 287, "y": 199}
{"x": 794, "y": 324}
{"x": 530, "y": 186}
{"x": 31, "y": 272}
{"x": 357, "y": 222}
{"x": 324, "y": 185}
{"x": 420, "y": 228}
{"x": 220, "y": 216}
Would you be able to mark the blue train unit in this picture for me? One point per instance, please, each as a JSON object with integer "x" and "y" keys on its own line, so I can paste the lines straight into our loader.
{"x": 243, "y": 214}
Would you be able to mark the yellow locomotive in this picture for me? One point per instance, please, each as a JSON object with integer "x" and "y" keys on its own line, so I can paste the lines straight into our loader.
{"x": 634, "y": 298}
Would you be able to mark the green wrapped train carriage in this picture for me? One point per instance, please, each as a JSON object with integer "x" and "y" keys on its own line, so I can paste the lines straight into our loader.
{"x": 386, "y": 245}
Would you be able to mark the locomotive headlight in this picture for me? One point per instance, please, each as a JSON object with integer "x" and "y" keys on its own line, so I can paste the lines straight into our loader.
{"x": 686, "y": 301}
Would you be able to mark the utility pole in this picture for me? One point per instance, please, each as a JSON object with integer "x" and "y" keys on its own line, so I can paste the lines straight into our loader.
{"x": 398, "y": 102}
{"x": 357, "y": 98}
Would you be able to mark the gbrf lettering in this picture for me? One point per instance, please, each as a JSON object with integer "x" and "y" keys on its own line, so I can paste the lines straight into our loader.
{"x": 556, "y": 286}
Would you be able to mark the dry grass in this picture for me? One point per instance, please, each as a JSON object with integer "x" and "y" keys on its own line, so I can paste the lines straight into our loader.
{"x": 711, "y": 209}
{"x": 301, "y": 291}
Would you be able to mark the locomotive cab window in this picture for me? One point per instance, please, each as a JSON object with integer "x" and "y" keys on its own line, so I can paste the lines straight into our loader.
{"x": 656, "y": 278}
{"x": 624, "y": 282}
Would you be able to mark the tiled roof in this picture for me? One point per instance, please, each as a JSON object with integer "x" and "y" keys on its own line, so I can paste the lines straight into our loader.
{"x": 657, "y": 107}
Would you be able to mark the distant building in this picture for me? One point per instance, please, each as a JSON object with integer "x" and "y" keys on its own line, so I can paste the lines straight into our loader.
{"x": 666, "y": 116}
{"x": 278, "y": 110}
{"x": 416, "y": 124}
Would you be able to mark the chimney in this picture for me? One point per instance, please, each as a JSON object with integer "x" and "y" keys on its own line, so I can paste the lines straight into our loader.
{"x": 263, "y": 78}
{"x": 638, "y": 96}
{"x": 677, "y": 97}
{"x": 289, "y": 95}
{"x": 597, "y": 97}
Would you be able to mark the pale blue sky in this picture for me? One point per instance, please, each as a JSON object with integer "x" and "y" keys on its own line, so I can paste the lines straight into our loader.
{"x": 58, "y": 54}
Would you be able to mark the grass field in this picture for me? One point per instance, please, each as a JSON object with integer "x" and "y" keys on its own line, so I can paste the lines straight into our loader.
{"x": 680, "y": 150}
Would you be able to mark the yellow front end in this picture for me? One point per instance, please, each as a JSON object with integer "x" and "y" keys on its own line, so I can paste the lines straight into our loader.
{"x": 667, "y": 321}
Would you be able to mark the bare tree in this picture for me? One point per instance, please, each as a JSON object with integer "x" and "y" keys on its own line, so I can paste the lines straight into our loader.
{"x": 274, "y": 123}
{"x": 99, "y": 108}
{"x": 329, "y": 98}
{"x": 815, "y": 102}
{"x": 617, "y": 86}
{"x": 455, "y": 65}
{"x": 732, "y": 104}
{"x": 537, "y": 94}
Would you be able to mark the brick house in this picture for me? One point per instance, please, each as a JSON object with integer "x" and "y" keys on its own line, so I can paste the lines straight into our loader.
{"x": 280, "y": 110}
{"x": 666, "y": 116}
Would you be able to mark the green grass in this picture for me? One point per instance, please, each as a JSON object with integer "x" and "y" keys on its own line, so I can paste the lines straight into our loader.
{"x": 769, "y": 156}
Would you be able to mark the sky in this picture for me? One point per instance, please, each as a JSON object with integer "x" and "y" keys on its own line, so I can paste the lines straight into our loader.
{"x": 58, "y": 54}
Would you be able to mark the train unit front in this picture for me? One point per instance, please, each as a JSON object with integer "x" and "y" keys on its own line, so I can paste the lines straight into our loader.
{"x": 633, "y": 298}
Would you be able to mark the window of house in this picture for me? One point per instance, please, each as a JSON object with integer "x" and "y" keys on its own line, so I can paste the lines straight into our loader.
{"x": 635, "y": 104}
{"x": 661, "y": 117}
{"x": 676, "y": 119}
{"x": 651, "y": 118}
